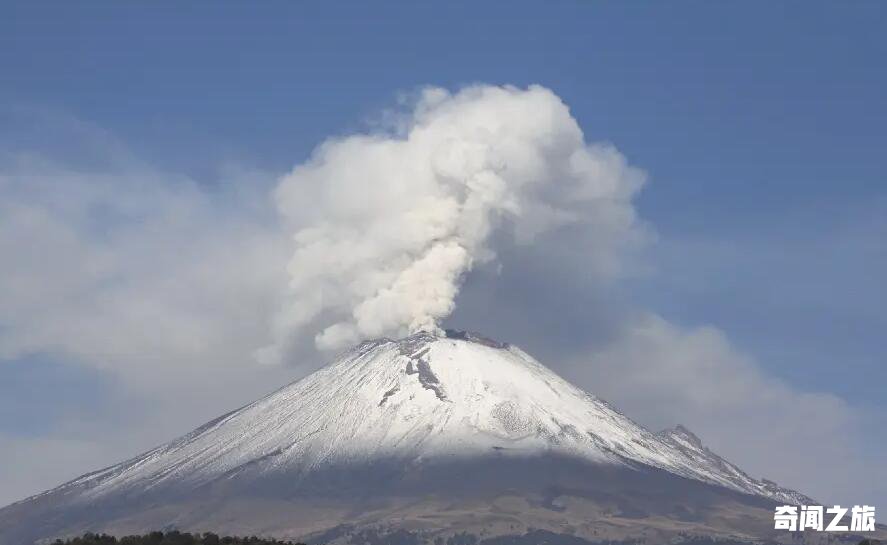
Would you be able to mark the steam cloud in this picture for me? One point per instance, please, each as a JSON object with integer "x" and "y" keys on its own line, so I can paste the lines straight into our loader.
{"x": 386, "y": 225}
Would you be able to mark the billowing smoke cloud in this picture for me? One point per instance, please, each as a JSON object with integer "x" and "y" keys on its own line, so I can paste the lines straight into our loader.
{"x": 386, "y": 225}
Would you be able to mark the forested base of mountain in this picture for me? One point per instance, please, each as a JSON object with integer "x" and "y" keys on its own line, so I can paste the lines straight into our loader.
{"x": 171, "y": 538}
{"x": 179, "y": 538}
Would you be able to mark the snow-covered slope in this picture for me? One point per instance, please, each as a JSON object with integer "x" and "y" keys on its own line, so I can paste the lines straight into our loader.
{"x": 427, "y": 439}
{"x": 421, "y": 398}
{"x": 688, "y": 444}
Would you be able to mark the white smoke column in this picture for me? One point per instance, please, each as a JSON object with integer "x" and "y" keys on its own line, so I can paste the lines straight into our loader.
{"x": 387, "y": 225}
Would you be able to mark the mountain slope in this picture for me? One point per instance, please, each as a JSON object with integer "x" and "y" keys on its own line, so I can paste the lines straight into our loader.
{"x": 402, "y": 420}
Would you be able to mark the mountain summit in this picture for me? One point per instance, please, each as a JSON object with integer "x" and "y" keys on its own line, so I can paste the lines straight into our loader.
{"x": 430, "y": 436}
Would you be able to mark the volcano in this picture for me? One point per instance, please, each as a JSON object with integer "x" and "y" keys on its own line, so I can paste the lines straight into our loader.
{"x": 444, "y": 439}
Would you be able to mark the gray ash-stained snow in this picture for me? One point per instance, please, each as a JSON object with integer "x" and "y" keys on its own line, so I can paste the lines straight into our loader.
{"x": 388, "y": 394}
{"x": 428, "y": 379}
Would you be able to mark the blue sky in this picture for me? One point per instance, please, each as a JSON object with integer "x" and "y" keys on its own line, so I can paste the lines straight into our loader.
{"x": 760, "y": 126}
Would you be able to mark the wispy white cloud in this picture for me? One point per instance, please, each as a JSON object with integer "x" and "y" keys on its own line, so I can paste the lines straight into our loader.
{"x": 664, "y": 374}
{"x": 126, "y": 268}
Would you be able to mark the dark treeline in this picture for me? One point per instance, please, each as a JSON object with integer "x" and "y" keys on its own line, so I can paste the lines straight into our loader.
{"x": 171, "y": 538}
{"x": 180, "y": 538}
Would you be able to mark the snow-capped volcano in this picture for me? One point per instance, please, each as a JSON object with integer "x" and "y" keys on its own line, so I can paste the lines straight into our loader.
{"x": 394, "y": 409}
{"x": 421, "y": 398}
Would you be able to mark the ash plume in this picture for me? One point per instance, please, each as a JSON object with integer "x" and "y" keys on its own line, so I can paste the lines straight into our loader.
{"x": 386, "y": 225}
